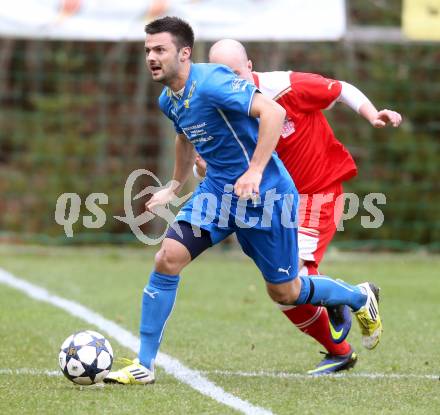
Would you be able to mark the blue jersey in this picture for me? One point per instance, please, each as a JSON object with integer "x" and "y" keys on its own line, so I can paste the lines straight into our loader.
{"x": 213, "y": 113}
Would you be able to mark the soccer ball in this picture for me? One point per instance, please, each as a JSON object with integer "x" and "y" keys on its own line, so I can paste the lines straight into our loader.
{"x": 86, "y": 357}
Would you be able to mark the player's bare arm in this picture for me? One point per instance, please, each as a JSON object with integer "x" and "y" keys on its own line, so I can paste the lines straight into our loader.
{"x": 184, "y": 160}
{"x": 271, "y": 117}
{"x": 380, "y": 119}
{"x": 355, "y": 99}
{"x": 199, "y": 168}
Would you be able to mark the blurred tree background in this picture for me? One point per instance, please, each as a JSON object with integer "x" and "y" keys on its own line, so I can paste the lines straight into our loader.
{"x": 81, "y": 116}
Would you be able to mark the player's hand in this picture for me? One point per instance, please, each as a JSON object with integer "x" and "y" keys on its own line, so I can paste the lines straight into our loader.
{"x": 385, "y": 117}
{"x": 200, "y": 166}
{"x": 248, "y": 185}
{"x": 160, "y": 198}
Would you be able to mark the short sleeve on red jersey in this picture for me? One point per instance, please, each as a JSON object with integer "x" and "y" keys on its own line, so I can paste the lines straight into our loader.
{"x": 312, "y": 91}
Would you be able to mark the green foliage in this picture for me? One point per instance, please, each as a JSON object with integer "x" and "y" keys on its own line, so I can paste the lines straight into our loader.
{"x": 375, "y": 12}
{"x": 80, "y": 117}
{"x": 65, "y": 134}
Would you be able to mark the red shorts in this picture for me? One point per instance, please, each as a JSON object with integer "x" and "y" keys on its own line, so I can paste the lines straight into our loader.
{"x": 319, "y": 214}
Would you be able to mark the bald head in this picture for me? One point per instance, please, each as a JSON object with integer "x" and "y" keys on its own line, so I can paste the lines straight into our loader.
{"x": 232, "y": 53}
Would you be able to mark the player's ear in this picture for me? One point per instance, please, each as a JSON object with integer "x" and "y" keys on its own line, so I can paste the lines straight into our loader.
{"x": 249, "y": 65}
{"x": 185, "y": 53}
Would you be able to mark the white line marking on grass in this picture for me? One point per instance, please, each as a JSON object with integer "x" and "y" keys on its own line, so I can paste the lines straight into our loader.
{"x": 30, "y": 372}
{"x": 171, "y": 365}
{"x": 285, "y": 375}
{"x": 282, "y": 375}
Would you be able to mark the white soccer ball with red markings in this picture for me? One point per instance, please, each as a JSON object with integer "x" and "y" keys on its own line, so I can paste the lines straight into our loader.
{"x": 86, "y": 357}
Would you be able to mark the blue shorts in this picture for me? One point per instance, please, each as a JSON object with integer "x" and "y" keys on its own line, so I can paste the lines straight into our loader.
{"x": 267, "y": 231}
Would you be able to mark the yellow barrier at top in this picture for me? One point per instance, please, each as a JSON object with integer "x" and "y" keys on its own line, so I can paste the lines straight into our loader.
{"x": 421, "y": 19}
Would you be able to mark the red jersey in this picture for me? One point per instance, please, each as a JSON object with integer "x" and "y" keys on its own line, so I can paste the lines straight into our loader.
{"x": 308, "y": 147}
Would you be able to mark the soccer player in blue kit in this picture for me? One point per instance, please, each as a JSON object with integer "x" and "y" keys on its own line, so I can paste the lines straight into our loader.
{"x": 247, "y": 190}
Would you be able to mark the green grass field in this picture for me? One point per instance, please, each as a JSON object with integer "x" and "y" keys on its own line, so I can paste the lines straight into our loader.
{"x": 223, "y": 325}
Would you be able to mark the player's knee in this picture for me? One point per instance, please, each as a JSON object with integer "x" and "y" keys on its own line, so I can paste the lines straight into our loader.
{"x": 168, "y": 262}
{"x": 286, "y": 293}
{"x": 296, "y": 288}
{"x": 281, "y": 298}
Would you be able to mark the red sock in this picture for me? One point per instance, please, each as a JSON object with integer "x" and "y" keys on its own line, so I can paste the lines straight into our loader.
{"x": 313, "y": 321}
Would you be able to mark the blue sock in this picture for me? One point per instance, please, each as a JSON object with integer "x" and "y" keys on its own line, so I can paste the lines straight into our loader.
{"x": 322, "y": 290}
{"x": 157, "y": 303}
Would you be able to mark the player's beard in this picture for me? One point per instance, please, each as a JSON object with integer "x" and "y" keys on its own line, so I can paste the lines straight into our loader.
{"x": 169, "y": 73}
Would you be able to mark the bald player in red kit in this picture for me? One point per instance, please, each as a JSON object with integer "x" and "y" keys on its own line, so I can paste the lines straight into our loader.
{"x": 318, "y": 164}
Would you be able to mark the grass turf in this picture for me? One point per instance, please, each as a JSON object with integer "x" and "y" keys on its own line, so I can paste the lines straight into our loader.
{"x": 223, "y": 320}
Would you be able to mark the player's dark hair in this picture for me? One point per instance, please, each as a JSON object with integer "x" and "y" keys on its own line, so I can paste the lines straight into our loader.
{"x": 180, "y": 30}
